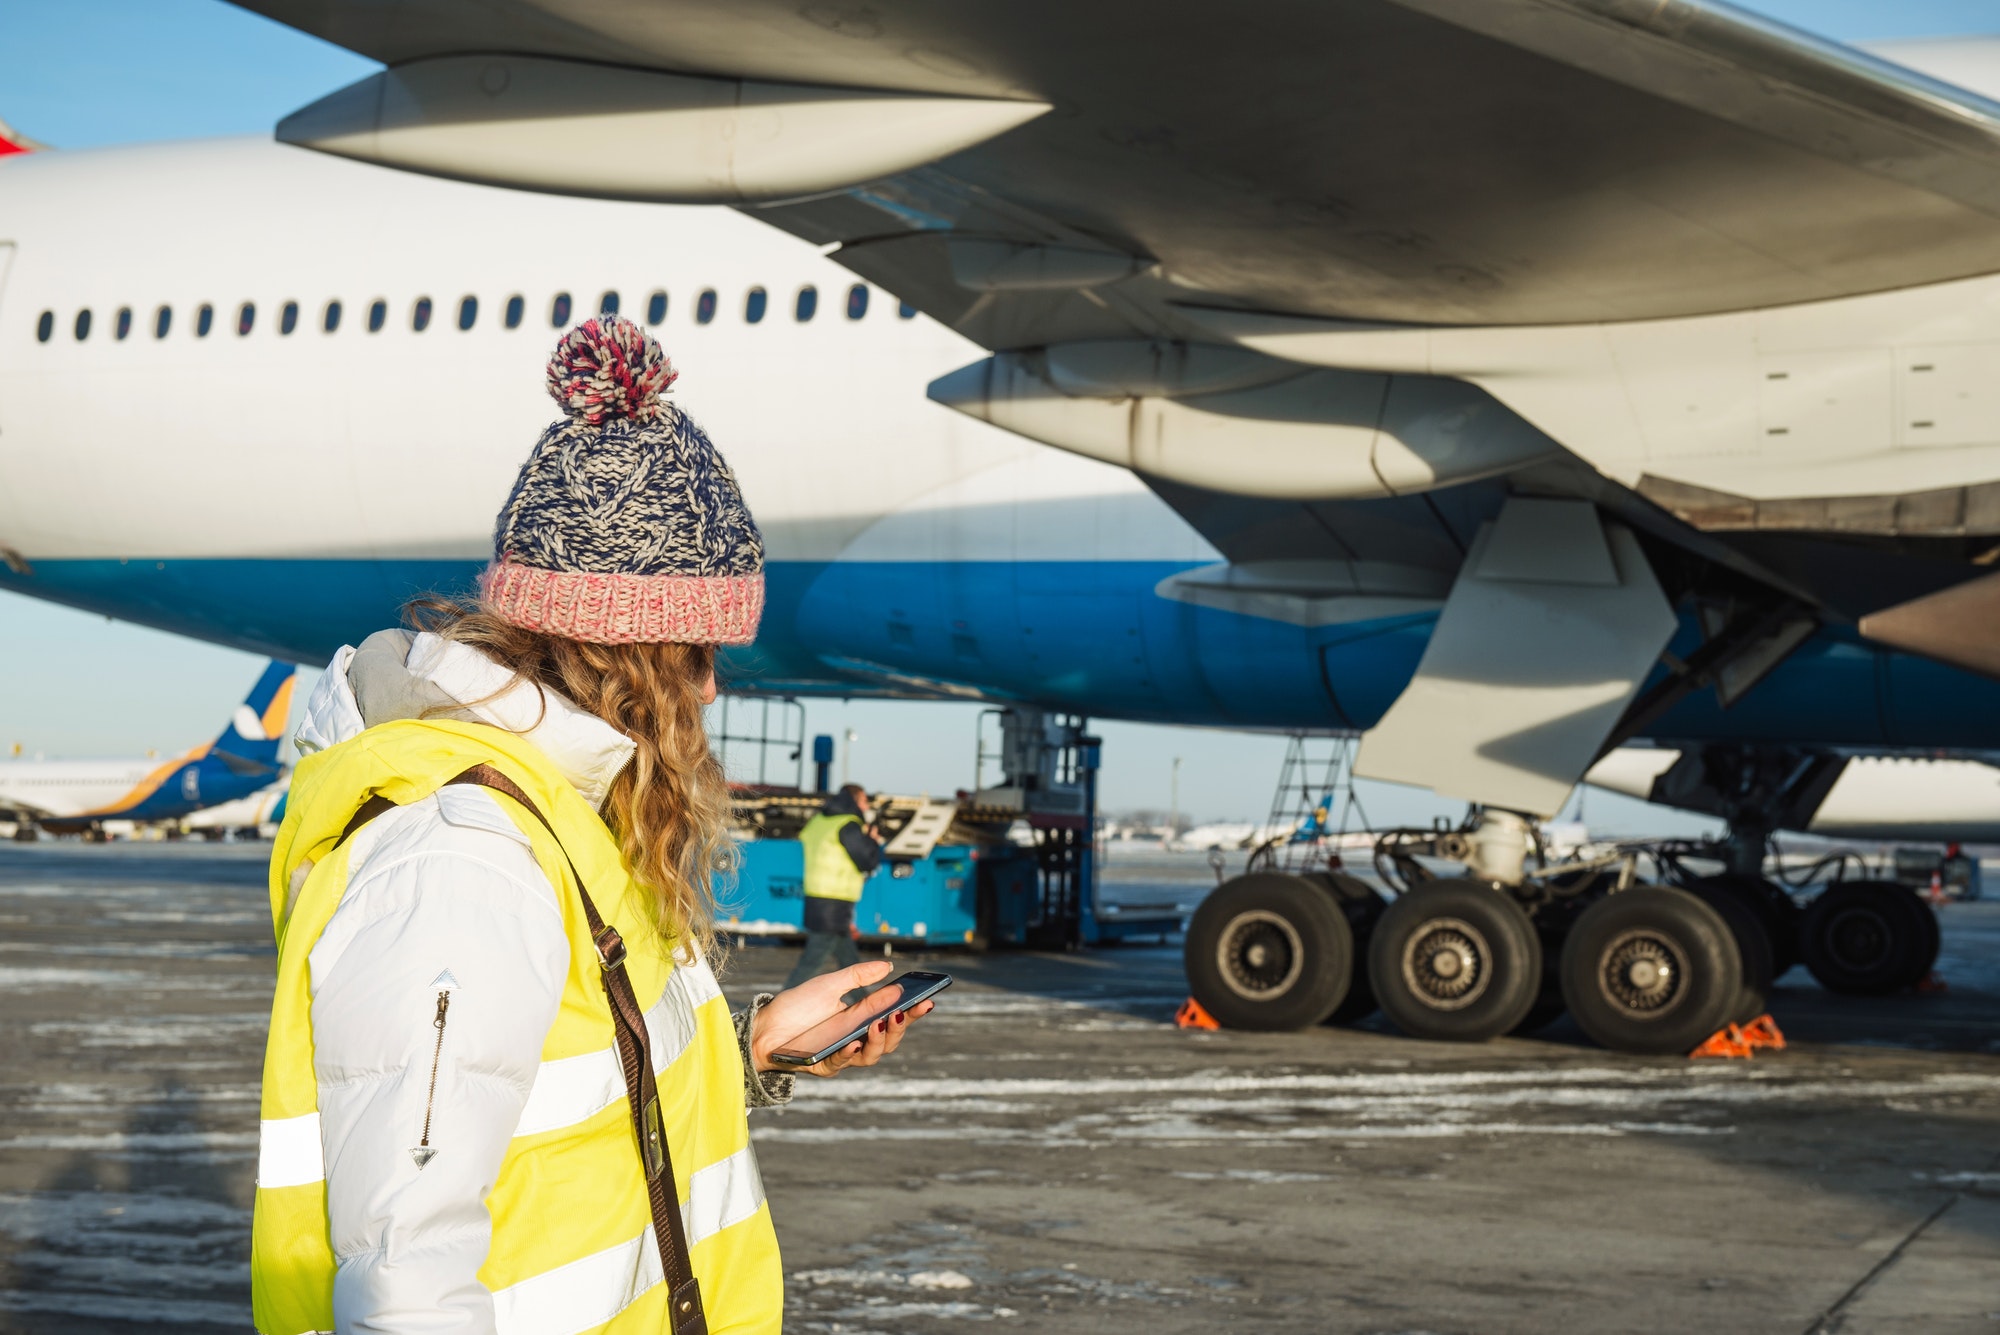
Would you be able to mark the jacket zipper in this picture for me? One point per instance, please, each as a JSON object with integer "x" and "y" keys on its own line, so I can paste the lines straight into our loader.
{"x": 444, "y": 1004}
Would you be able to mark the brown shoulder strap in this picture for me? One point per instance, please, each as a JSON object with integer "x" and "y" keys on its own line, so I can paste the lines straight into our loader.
{"x": 634, "y": 1055}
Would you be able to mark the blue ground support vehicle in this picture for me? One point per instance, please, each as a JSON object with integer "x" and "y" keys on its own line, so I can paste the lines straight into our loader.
{"x": 952, "y": 877}
{"x": 935, "y": 900}
{"x": 1013, "y": 865}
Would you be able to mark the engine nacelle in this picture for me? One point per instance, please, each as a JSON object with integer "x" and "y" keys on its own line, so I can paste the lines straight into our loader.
{"x": 1234, "y": 421}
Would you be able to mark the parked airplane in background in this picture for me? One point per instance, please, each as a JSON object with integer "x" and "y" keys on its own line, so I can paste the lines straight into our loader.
{"x": 71, "y": 796}
{"x": 1656, "y": 405}
{"x": 265, "y": 807}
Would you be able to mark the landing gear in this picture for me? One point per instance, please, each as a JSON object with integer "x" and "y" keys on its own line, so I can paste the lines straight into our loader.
{"x": 1455, "y": 959}
{"x": 1868, "y": 938}
{"x": 1770, "y": 905}
{"x": 1651, "y": 970}
{"x": 1363, "y": 909}
{"x": 1753, "y": 949}
{"x": 1269, "y": 951}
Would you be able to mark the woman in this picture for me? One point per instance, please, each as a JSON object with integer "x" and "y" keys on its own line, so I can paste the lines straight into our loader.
{"x": 502, "y": 1090}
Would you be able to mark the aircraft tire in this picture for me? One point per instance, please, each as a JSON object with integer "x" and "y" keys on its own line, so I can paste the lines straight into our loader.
{"x": 1773, "y": 909}
{"x": 1548, "y": 1007}
{"x": 1269, "y": 951}
{"x": 1362, "y": 908}
{"x": 1753, "y": 946}
{"x": 1868, "y": 938}
{"x": 1651, "y": 970}
{"x": 1933, "y": 939}
{"x": 1455, "y": 959}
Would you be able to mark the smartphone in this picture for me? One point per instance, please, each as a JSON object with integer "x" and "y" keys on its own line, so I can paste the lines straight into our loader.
{"x": 835, "y": 1032}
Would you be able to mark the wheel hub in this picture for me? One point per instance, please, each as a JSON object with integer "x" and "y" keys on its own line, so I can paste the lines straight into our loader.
{"x": 1446, "y": 964}
{"x": 1260, "y": 955}
{"x": 1644, "y": 973}
{"x": 1858, "y": 939}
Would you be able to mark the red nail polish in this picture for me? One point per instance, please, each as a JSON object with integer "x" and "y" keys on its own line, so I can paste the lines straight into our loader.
{"x": 902, "y": 1017}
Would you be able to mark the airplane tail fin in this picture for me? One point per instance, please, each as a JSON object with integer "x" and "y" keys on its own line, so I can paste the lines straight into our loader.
{"x": 258, "y": 724}
{"x": 12, "y": 141}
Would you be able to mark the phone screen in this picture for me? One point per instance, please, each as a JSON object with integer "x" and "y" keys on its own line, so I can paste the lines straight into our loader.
{"x": 838, "y": 1030}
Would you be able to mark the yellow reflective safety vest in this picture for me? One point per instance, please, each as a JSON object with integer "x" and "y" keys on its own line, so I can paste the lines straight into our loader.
{"x": 572, "y": 1248}
{"x": 830, "y": 873}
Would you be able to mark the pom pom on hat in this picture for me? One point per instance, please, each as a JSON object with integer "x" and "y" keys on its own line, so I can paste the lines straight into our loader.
{"x": 625, "y": 525}
{"x": 608, "y": 367}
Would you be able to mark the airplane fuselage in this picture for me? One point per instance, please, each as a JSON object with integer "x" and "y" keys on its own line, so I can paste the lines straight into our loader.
{"x": 282, "y": 486}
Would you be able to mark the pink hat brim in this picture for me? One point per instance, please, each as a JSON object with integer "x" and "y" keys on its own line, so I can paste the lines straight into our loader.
{"x": 627, "y": 609}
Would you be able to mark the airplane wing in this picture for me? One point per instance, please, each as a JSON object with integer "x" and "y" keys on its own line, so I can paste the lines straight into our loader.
{"x": 1484, "y": 162}
{"x": 1285, "y": 260}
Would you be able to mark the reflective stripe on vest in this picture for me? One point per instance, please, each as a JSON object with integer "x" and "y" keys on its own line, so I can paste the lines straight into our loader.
{"x": 571, "y": 1248}
{"x": 830, "y": 873}
{"x": 593, "y": 1289}
{"x": 566, "y": 1091}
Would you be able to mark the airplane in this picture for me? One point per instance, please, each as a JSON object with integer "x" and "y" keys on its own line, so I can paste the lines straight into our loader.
{"x": 78, "y": 796}
{"x": 264, "y": 807}
{"x": 1130, "y": 376}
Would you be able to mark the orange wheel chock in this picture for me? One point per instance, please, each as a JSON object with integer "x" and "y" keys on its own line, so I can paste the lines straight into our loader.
{"x": 1742, "y": 1040}
{"x": 1932, "y": 982}
{"x": 1192, "y": 1016}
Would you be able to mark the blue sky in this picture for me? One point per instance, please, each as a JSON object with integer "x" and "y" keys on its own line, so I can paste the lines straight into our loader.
{"x": 81, "y": 73}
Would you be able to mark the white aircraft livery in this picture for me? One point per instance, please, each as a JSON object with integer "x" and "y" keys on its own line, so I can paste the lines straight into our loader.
{"x": 1114, "y": 374}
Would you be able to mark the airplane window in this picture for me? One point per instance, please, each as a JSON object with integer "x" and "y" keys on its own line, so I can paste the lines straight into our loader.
{"x": 468, "y": 312}
{"x": 857, "y": 301}
{"x": 246, "y": 318}
{"x": 378, "y": 315}
{"x": 204, "y": 320}
{"x": 656, "y": 308}
{"x": 163, "y": 320}
{"x": 704, "y": 306}
{"x": 45, "y": 327}
{"x": 559, "y": 310}
{"x": 753, "y": 305}
{"x": 331, "y": 320}
{"x": 515, "y": 309}
{"x": 420, "y": 315}
{"x": 124, "y": 322}
{"x": 905, "y": 311}
{"x": 83, "y": 324}
{"x": 288, "y": 317}
{"x": 608, "y": 304}
{"x": 807, "y": 304}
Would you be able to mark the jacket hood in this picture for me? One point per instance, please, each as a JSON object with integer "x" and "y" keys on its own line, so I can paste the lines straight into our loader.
{"x": 840, "y": 804}
{"x": 395, "y": 674}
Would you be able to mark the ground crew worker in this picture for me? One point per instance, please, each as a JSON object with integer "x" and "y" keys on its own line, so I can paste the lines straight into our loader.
{"x": 839, "y": 854}
{"x": 502, "y": 1090}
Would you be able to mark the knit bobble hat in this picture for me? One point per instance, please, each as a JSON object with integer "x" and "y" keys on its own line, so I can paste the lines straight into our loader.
{"x": 625, "y": 525}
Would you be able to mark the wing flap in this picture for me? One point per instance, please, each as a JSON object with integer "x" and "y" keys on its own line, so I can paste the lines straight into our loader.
{"x": 1486, "y": 162}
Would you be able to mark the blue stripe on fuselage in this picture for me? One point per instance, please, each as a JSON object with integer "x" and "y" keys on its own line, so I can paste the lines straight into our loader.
{"x": 1090, "y": 636}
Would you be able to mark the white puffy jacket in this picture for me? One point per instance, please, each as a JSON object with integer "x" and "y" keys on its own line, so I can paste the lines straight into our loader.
{"x": 446, "y": 887}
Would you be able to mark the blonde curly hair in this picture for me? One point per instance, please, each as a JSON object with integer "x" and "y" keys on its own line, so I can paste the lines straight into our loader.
{"x": 669, "y": 807}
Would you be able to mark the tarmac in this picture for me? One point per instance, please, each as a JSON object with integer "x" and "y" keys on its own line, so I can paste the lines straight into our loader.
{"x": 1049, "y": 1153}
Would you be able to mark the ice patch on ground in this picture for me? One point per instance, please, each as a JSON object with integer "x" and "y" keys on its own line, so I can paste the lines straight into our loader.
{"x": 33, "y": 979}
{"x": 114, "y": 1141}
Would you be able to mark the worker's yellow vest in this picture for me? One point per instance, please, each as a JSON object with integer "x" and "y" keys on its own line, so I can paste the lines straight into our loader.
{"x": 830, "y": 873}
{"x": 572, "y": 1248}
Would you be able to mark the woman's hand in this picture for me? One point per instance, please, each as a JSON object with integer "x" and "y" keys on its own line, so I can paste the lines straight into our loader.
{"x": 798, "y": 1009}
